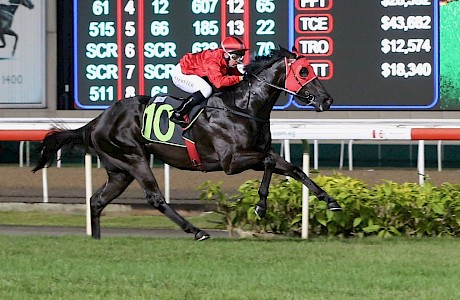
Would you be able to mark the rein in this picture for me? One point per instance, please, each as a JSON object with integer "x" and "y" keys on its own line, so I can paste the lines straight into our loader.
{"x": 239, "y": 113}
{"x": 307, "y": 98}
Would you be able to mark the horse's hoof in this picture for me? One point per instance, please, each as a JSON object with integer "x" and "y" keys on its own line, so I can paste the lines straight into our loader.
{"x": 260, "y": 212}
{"x": 202, "y": 235}
{"x": 334, "y": 206}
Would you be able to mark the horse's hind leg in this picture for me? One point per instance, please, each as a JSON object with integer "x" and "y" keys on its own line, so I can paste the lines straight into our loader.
{"x": 155, "y": 198}
{"x": 285, "y": 168}
{"x": 115, "y": 185}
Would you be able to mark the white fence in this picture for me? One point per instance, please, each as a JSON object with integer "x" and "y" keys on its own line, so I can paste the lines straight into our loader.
{"x": 287, "y": 130}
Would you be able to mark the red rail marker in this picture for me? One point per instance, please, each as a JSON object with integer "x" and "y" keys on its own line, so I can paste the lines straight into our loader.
{"x": 435, "y": 133}
{"x": 23, "y": 135}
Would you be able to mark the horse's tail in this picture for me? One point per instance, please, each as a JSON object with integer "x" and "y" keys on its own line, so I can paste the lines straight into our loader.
{"x": 57, "y": 139}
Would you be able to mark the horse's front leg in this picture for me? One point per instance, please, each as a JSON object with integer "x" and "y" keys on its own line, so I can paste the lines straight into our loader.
{"x": 2, "y": 40}
{"x": 245, "y": 160}
{"x": 285, "y": 168}
{"x": 13, "y": 34}
{"x": 261, "y": 207}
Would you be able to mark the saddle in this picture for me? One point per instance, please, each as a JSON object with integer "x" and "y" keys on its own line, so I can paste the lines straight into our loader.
{"x": 157, "y": 128}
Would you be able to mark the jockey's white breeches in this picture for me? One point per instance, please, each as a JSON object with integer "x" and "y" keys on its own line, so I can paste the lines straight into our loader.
{"x": 190, "y": 83}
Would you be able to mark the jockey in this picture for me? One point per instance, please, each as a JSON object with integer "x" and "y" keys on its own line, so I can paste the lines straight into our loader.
{"x": 218, "y": 66}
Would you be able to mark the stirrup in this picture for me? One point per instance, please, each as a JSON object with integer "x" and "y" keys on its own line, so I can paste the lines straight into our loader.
{"x": 178, "y": 119}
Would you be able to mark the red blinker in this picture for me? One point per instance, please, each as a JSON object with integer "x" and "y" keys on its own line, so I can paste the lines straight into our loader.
{"x": 294, "y": 82}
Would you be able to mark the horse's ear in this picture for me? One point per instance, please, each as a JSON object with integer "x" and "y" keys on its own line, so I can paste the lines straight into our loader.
{"x": 295, "y": 51}
{"x": 282, "y": 48}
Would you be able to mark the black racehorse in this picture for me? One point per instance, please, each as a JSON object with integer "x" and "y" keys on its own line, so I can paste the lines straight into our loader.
{"x": 232, "y": 134}
{"x": 6, "y": 19}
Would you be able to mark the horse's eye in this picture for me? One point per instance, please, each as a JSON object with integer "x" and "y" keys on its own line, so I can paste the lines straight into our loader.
{"x": 303, "y": 72}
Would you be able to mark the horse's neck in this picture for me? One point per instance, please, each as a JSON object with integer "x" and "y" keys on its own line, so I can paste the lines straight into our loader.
{"x": 265, "y": 94}
{"x": 256, "y": 98}
{"x": 9, "y": 9}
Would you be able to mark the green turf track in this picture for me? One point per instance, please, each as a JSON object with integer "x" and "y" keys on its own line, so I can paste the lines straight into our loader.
{"x": 73, "y": 267}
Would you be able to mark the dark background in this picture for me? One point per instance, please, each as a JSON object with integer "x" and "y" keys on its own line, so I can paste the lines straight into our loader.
{"x": 357, "y": 83}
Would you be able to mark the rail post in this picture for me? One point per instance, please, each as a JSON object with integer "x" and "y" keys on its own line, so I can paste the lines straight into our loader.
{"x": 305, "y": 191}
{"x": 89, "y": 191}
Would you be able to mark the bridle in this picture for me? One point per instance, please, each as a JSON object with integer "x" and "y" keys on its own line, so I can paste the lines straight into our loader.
{"x": 309, "y": 98}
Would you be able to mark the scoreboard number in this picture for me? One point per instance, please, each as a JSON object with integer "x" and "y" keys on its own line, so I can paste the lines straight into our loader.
{"x": 127, "y": 47}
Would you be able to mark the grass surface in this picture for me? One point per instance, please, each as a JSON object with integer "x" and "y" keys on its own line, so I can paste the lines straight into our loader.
{"x": 73, "y": 267}
{"x": 204, "y": 220}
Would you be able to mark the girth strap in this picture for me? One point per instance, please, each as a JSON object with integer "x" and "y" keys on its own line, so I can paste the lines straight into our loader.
{"x": 192, "y": 152}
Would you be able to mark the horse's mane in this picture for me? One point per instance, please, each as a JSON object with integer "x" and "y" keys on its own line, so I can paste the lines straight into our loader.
{"x": 260, "y": 62}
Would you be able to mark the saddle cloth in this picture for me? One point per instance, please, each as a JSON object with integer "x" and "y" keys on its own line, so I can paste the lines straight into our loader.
{"x": 157, "y": 128}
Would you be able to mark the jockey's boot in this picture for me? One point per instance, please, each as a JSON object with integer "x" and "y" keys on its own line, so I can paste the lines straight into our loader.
{"x": 185, "y": 107}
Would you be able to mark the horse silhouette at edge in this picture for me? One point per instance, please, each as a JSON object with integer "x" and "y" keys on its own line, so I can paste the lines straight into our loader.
{"x": 6, "y": 20}
{"x": 231, "y": 134}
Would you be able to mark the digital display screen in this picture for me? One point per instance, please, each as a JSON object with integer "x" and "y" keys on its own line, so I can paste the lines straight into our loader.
{"x": 370, "y": 55}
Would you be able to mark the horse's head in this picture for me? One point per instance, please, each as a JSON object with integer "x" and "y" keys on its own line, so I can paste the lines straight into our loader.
{"x": 26, "y": 3}
{"x": 292, "y": 73}
{"x": 302, "y": 81}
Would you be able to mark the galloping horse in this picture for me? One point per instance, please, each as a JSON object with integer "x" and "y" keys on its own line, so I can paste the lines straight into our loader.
{"x": 231, "y": 134}
{"x": 6, "y": 19}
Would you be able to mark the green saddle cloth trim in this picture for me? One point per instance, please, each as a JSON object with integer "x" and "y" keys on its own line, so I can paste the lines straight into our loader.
{"x": 156, "y": 126}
